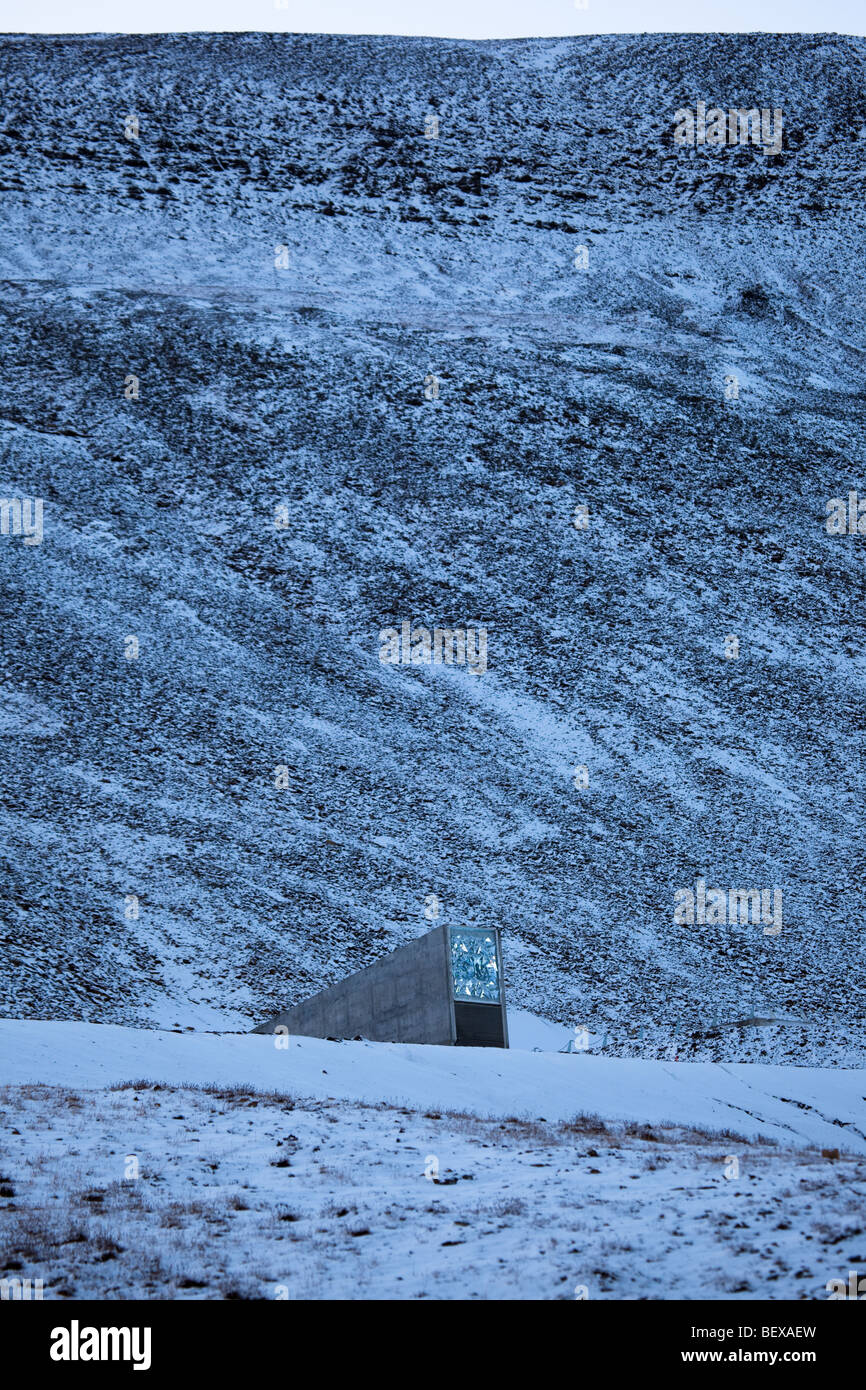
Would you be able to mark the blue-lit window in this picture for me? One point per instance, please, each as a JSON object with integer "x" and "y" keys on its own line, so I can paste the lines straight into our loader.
{"x": 474, "y": 964}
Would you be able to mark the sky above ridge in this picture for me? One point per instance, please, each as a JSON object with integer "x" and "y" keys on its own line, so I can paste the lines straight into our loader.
{"x": 470, "y": 19}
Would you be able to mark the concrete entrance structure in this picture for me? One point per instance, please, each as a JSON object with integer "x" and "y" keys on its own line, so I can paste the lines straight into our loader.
{"x": 444, "y": 988}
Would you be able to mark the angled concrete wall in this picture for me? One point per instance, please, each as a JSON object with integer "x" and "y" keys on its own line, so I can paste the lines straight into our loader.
{"x": 404, "y": 997}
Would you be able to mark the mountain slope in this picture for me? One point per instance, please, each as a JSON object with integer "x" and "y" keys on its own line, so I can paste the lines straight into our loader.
{"x": 303, "y": 389}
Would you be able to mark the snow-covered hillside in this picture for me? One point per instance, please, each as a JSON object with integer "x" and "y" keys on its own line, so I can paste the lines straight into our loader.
{"x": 798, "y": 1106}
{"x": 283, "y": 488}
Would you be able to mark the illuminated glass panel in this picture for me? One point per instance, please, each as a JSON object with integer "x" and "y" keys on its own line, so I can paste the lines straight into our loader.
{"x": 474, "y": 964}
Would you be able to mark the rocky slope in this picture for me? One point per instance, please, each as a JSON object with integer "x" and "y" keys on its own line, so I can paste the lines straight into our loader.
{"x": 283, "y": 488}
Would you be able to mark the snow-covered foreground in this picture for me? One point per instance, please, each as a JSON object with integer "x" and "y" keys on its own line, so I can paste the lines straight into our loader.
{"x": 189, "y": 1193}
{"x": 800, "y": 1106}
{"x": 139, "y": 1164}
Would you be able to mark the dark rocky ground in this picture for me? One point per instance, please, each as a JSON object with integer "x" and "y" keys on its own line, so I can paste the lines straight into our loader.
{"x": 304, "y": 388}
